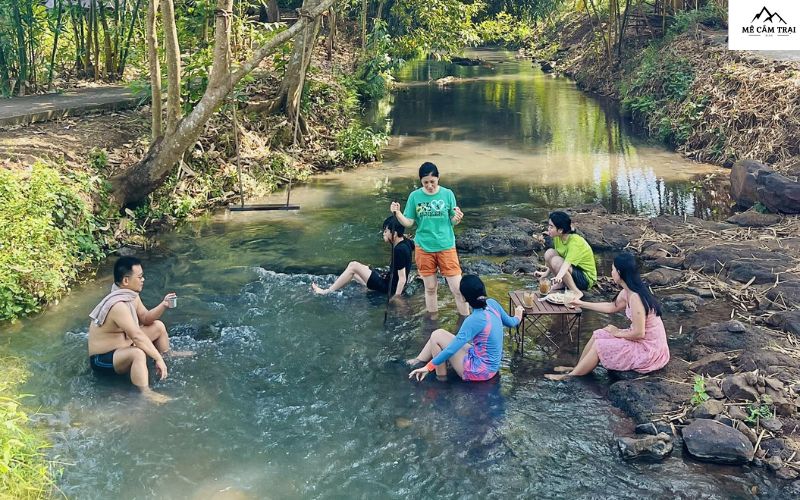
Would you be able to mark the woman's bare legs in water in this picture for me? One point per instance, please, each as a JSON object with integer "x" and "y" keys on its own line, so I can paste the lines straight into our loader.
{"x": 588, "y": 362}
{"x": 354, "y": 271}
{"x": 436, "y": 344}
{"x": 567, "y": 369}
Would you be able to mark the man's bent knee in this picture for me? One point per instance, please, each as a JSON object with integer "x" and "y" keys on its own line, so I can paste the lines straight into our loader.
{"x": 550, "y": 253}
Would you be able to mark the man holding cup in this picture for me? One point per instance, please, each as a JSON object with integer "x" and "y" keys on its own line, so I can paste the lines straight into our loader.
{"x": 124, "y": 333}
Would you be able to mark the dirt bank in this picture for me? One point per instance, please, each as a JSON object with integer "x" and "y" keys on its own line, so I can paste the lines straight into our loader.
{"x": 686, "y": 88}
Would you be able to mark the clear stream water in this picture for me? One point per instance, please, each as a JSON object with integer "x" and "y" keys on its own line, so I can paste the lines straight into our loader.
{"x": 295, "y": 396}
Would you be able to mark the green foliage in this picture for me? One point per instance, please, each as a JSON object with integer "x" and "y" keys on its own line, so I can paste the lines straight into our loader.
{"x": 711, "y": 15}
{"x": 358, "y": 144}
{"x": 504, "y": 30}
{"x": 195, "y": 76}
{"x": 759, "y": 410}
{"x": 373, "y": 72}
{"x": 432, "y": 26}
{"x": 98, "y": 159}
{"x": 47, "y": 233}
{"x": 761, "y": 208}
{"x": 699, "y": 388}
{"x": 24, "y": 470}
{"x": 656, "y": 94}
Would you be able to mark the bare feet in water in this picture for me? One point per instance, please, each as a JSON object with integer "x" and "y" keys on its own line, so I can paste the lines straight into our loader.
{"x": 155, "y": 397}
{"x": 563, "y": 369}
{"x": 413, "y": 361}
{"x": 557, "y": 377}
{"x": 319, "y": 291}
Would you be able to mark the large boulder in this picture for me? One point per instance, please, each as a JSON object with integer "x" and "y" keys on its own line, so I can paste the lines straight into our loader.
{"x": 605, "y": 233}
{"x": 645, "y": 397}
{"x": 744, "y": 181}
{"x": 682, "y": 302}
{"x": 712, "y": 365}
{"x": 509, "y": 236}
{"x": 740, "y": 261}
{"x": 758, "y": 348}
{"x": 480, "y": 267}
{"x": 753, "y": 182}
{"x": 786, "y": 293}
{"x": 738, "y": 387}
{"x": 788, "y": 321}
{"x": 751, "y": 218}
{"x": 758, "y": 270}
{"x": 779, "y": 193}
{"x": 664, "y": 276}
{"x": 520, "y": 265}
{"x": 713, "y": 441}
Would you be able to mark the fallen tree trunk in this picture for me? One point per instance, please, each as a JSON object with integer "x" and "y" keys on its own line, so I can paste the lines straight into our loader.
{"x": 134, "y": 184}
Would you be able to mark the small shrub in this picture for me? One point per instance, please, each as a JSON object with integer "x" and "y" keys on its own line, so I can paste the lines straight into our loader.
{"x": 358, "y": 144}
{"x": 711, "y": 15}
{"x": 98, "y": 159}
{"x": 700, "y": 394}
{"x": 373, "y": 73}
{"x": 760, "y": 410}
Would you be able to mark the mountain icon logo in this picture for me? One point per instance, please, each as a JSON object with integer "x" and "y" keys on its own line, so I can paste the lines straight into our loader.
{"x": 769, "y": 16}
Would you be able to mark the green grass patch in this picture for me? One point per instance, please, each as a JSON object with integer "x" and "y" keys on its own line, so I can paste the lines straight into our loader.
{"x": 48, "y": 233}
{"x": 25, "y": 472}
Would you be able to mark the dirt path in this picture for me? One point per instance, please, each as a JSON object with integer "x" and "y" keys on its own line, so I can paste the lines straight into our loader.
{"x": 37, "y": 108}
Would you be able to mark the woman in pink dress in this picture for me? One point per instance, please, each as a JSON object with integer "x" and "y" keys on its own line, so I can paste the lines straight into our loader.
{"x": 642, "y": 347}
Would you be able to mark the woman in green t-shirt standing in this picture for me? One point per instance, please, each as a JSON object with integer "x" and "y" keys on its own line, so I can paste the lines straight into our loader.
{"x": 433, "y": 208}
{"x": 571, "y": 258}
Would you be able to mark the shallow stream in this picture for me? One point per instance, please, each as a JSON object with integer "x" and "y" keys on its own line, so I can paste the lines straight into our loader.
{"x": 291, "y": 395}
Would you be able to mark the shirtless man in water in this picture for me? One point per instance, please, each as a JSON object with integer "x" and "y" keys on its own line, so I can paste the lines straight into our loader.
{"x": 124, "y": 333}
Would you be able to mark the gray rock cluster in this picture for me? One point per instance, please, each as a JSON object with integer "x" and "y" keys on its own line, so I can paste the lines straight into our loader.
{"x": 753, "y": 182}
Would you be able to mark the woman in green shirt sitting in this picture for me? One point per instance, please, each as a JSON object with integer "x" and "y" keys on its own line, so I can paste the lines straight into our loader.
{"x": 571, "y": 258}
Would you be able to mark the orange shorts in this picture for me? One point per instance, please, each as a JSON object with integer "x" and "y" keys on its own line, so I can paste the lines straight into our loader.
{"x": 445, "y": 261}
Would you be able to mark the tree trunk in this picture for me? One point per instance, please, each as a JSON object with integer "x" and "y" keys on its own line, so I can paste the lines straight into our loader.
{"x": 87, "y": 44}
{"x": 124, "y": 59}
{"x": 139, "y": 181}
{"x": 119, "y": 28}
{"x": 4, "y": 78}
{"x": 96, "y": 33}
{"x": 273, "y": 11}
{"x": 22, "y": 54}
{"x": 156, "y": 127}
{"x": 108, "y": 66}
{"x": 77, "y": 34}
{"x": 55, "y": 44}
{"x": 293, "y": 80}
{"x": 173, "y": 57}
{"x": 364, "y": 5}
{"x": 31, "y": 21}
{"x": 330, "y": 42}
{"x": 623, "y": 27}
{"x": 379, "y": 13}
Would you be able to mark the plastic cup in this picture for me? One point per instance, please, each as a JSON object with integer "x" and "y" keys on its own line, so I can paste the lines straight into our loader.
{"x": 544, "y": 286}
{"x": 173, "y": 302}
{"x": 527, "y": 299}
